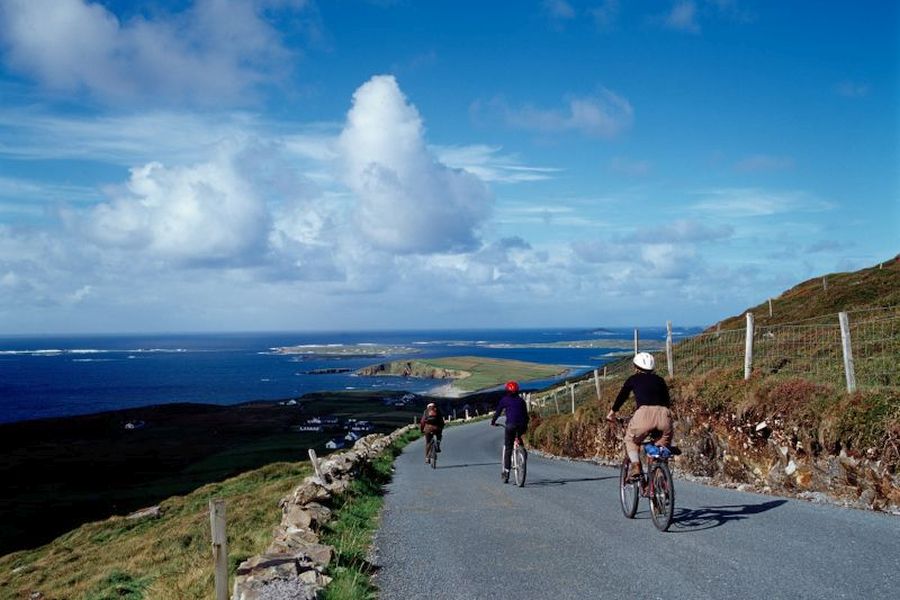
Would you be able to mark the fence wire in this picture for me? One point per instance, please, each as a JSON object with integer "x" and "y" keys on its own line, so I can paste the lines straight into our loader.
{"x": 876, "y": 351}
{"x": 810, "y": 349}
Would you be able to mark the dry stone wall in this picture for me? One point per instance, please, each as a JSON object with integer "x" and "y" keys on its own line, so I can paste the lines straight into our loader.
{"x": 293, "y": 566}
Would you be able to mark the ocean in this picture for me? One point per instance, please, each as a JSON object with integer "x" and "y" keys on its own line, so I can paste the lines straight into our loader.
{"x": 46, "y": 376}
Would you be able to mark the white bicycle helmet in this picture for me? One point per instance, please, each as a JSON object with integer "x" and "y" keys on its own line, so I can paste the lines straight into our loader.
{"x": 644, "y": 361}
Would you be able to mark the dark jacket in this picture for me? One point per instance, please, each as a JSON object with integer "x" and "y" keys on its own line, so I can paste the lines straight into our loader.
{"x": 434, "y": 422}
{"x": 649, "y": 390}
{"x": 516, "y": 411}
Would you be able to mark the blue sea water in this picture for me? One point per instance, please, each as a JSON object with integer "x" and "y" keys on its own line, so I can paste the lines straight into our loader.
{"x": 62, "y": 376}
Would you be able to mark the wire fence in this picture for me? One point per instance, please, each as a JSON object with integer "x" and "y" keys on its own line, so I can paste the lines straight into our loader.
{"x": 857, "y": 349}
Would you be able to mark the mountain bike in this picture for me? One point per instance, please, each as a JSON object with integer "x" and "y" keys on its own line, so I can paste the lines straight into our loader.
{"x": 518, "y": 463}
{"x": 654, "y": 483}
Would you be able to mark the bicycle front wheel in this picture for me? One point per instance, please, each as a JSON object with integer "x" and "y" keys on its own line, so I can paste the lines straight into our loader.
{"x": 432, "y": 454}
{"x": 662, "y": 498}
{"x": 521, "y": 462}
{"x": 629, "y": 491}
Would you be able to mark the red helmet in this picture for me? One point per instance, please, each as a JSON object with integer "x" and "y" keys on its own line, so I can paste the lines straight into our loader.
{"x": 512, "y": 387}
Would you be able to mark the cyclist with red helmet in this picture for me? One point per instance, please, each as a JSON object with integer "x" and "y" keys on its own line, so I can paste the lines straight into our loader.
{"x": 516, "y": 421}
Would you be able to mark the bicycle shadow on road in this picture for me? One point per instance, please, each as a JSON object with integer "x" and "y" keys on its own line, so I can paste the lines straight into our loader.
{"x": 687, "y": 520}
{"x": 549, "y": 482}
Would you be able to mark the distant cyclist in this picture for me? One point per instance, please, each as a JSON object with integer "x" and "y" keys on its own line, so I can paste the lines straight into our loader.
{"x": 651, "y": 395}
{"x": 516, "y": 421}
{"x": 432, "y": 425}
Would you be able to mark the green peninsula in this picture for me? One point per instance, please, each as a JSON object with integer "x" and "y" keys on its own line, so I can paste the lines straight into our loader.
{"x": 469, "y": 373}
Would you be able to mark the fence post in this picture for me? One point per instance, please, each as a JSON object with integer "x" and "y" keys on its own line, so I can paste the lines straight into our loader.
{"x": 556, "y": 400}
{"x": 572, "y": 393}
{"x": 604, "y": 370}
{"x": 770, "y": 308}
{"x": 219, "y": 547}
{"x": 636, "y": 345}
{"x": 597, "y": 384}
{"x": 748, "y": 347}
{"x": 718, "y": 329}
{"x": 670, "y": 361}
{"x": 848, "y": 352}
{"x": 315, "y": 463}
{"x": 825, "y": 283}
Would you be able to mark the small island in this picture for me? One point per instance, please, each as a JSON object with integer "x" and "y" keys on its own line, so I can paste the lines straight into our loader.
{"x": 469, "y": 373}
{"x": 344, "y": 350}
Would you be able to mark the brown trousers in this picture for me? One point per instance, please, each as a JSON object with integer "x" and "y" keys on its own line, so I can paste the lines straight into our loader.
{"x": 645, "y": 420}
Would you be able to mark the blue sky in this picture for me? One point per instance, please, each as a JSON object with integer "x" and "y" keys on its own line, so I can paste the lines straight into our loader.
{"x": 204, "y": 165}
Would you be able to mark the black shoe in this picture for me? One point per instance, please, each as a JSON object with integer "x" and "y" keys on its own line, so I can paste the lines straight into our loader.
{"x": 505, "y": 476}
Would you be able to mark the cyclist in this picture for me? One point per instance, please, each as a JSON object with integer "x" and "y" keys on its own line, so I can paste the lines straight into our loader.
{"x": 651, "y": 395}
{"x": 432, "y": 425}
{"x": 516, "y": 421}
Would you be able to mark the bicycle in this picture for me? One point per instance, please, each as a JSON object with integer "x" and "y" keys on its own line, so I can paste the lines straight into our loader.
{"x": 518, "y": 463}
{"x": 433, "y": 449}
{"x": 654, "y": 483}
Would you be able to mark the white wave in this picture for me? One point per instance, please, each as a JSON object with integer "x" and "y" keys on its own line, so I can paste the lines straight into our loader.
{"x": 86, "y": 360}
{"x": 82, "y": 351}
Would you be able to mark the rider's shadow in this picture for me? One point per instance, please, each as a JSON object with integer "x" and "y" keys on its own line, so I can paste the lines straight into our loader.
{"x": 697, "y": 519}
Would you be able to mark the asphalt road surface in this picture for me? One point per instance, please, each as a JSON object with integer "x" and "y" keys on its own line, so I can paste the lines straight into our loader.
{"x": 458, "y": 532}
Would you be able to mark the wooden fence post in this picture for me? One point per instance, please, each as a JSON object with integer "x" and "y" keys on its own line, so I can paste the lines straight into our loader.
{"x": 597, "y": 384}
{"x": 770, "y": 308}
{"x": 315, "y": 463}
{"x": 748, "y": 347}
{"x": 670, "y": 361}
{"x": 718, "y": 329}
{"x": 825, "y": 283}
{"x": 556, "y": 400}
{"x": 219, "y": 547}
{"x": 572, "y": 393}
{"x": 636, "y": 344}
{"x": 848, "y": 352}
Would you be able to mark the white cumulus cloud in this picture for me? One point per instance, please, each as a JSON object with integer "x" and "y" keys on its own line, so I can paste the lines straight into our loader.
{"x": 408, "y": 201}
{"x": 214, "y": 51}
{"x": 205, "y": 213}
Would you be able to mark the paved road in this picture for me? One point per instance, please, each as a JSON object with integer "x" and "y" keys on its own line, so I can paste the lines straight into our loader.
{"x": 458, "y": 532}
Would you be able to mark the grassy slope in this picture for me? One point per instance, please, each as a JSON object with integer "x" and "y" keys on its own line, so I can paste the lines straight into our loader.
{"x": 164, "y": 558}
{"x": 170, "y": 558}
{"x": 817, "y": 417}
{"x": 87, "y": 468}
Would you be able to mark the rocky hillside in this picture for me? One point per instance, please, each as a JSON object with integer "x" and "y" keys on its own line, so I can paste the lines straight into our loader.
{"x": 790, "y": 435}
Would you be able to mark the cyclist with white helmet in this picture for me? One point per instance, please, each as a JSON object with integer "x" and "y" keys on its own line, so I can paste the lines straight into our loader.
{"x": 651, "y": 395}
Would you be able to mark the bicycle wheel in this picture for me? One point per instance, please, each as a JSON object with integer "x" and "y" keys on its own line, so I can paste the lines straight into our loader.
{"x": 432, "y": 454}
{"x": 521, "y": 459}
{"x": 662, "y": 498}
{"x": 629, "y": 491}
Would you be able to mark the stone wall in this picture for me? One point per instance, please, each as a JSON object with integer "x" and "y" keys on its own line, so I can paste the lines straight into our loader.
{"x": 293, "y": 566}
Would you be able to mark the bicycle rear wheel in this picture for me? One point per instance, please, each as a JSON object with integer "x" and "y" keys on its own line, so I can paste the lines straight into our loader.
{"x": 629, "y": 491}
{"x": 662, "y": 498}
{"x": 521, "y": 458}
{"x": 432, "y": 454}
